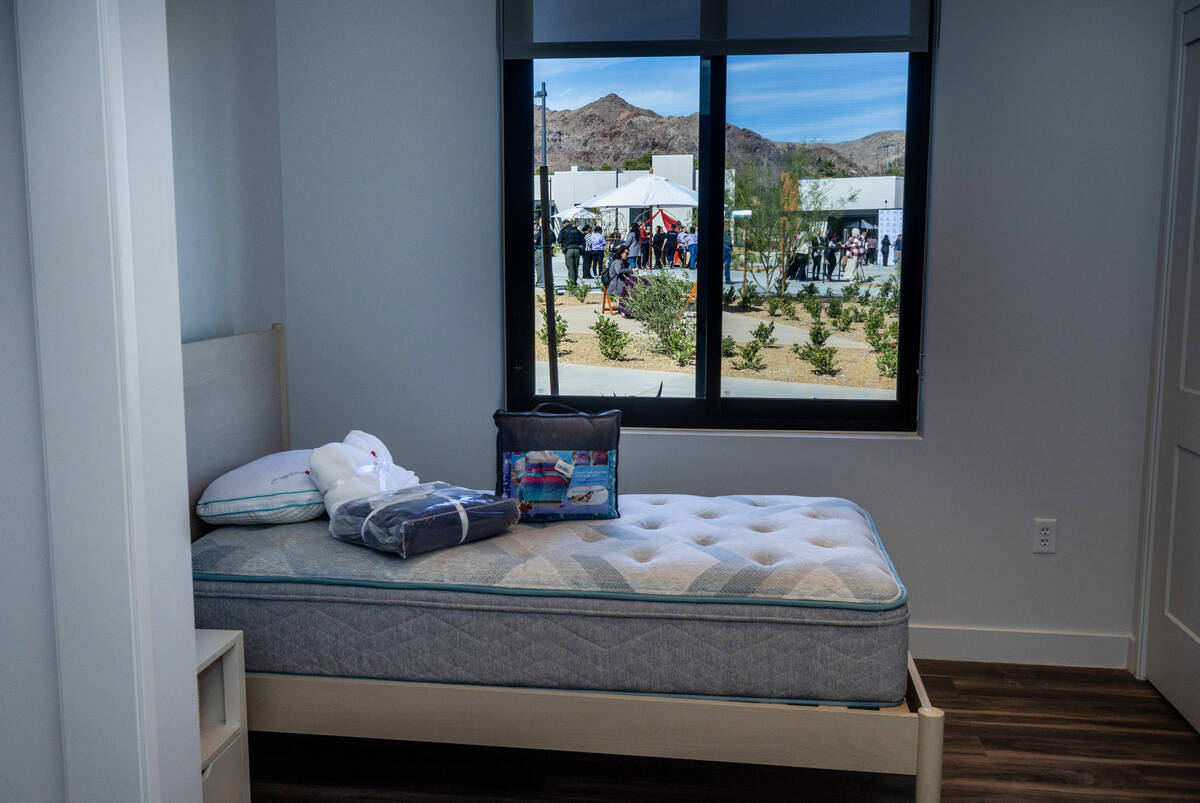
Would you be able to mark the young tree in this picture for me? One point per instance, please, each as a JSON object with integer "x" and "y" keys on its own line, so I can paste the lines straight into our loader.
{"x": 785, "y": 203}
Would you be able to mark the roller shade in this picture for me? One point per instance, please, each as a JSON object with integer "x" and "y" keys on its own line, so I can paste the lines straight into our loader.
{"x": 565, "y": 28}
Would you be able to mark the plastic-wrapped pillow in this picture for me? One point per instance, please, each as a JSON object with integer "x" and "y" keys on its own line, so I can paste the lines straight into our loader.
{"x": 275, "y": 489}
{"x": 423, "y": 518}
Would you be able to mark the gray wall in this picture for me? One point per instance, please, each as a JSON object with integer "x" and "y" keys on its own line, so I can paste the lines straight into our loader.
{"x": 30, "y": 737}
{"x": 387, "y": 109}
{"x": 225, "y": 127}
{"x": 1048, "y": 154}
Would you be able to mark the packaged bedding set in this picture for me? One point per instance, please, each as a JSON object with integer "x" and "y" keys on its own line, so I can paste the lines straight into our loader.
{"x": 422, "y": 518}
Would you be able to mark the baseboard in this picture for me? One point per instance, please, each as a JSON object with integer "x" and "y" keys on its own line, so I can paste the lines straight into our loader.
{"x": 1002, "y": 645}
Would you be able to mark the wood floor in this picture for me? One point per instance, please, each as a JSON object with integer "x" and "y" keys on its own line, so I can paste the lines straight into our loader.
{"x": 1013, "y": 733}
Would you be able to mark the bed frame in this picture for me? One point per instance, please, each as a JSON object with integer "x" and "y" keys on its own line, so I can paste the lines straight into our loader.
{"x": 235, "y": 393}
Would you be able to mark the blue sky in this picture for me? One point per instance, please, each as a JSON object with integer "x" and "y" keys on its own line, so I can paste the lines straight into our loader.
{"x": 807, "y": 98}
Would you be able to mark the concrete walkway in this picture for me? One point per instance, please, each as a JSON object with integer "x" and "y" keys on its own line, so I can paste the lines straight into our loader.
{"x": 602, "y": 380}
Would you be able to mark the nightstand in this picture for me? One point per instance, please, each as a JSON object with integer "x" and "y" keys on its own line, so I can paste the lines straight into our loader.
{"x": 224, "y": 746}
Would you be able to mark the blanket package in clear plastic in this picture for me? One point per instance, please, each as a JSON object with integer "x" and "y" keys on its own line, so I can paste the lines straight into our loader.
{"x": 423, "y": 518}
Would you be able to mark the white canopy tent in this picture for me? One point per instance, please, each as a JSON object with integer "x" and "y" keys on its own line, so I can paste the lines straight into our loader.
{"x": 576, "y": 213}
{"x": 648, "y": 190}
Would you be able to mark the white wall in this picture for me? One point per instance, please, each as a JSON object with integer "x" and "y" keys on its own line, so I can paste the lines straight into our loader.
{"x": 225, "y": 130}
{"x": 389, "y": 115}
{"x": 30, "y": 736}
{"x": 1038, "y": 313}
{"x": 1038, "y": 322}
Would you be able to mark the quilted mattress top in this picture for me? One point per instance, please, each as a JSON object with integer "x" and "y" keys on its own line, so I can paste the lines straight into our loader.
{"x": 761, "y": 550}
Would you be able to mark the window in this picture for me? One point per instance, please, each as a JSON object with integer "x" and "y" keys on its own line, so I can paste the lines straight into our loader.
{"x": 771, "y": 192}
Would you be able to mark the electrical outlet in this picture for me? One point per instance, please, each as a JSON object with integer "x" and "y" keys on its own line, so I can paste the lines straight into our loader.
{"x": 1045, "y": 536}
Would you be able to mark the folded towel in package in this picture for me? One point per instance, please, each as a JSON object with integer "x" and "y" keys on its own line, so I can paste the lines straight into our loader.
{"x": 422, "y": 518}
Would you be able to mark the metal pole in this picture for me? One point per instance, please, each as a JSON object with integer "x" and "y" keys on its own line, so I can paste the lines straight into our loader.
{"x": 548, "y": 255}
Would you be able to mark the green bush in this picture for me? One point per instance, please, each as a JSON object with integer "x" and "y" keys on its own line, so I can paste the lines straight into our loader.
{"x": 613, "y": 341}
{"x": 729, "y": 296}
{"x": 873, "y": 328}
{"x": 788, "y": 308}
{"x": 817, "y": 335}
{"x": 764, "y": 334}
{"x": 658, "y": 303}
{"x": 680, "y": 346}
{"x": 560, "y": 331}
{"x": 844, "y": 320}
{"x": 751, "y": 357}
{"x": 749, "y": 298}
{"x": 834, "y": 307}
{"x": 579, "y": 290}
{"x": 812, "y": 305}
{"x": 888, "y": 360}
{"x": 728, "y": 346}
{"x": 807, "y": 291}
{"x": 850, "y": 292}
{"x": 822, "y": 359}
{"x": 774, "y": 304}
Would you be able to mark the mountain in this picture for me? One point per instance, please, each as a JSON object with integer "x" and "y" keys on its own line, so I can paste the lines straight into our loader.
{"x": 611, "y": 130}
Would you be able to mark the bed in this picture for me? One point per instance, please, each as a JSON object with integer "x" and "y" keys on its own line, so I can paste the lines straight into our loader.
{"x": 753, "y": 629}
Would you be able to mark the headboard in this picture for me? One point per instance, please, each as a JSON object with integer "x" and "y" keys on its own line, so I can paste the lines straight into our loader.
{"x": 235, "y": 406}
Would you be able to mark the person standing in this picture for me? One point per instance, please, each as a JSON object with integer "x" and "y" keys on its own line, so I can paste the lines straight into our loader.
{"x": 693, "y": 249}
{"x": 571, "y": 240}
{"x": 884, "y": 247}
{"x": 644, "y": 234}
{"x": 586, "y": 231}
{"x": 595, "y": 246}
{"x": 832, "y": 249}
{"x": 669, "y": 245}
{"x": 804, "y": 251}
{"x": 633, "y": 245}
{"x": 898, "y": 246}
{"x": 659, "y": 239}
{"x": 853, "y": 251}
{"x": 872, "y": 247}
{"x": 684, "y": 241}
{"x": 818, "y": 253}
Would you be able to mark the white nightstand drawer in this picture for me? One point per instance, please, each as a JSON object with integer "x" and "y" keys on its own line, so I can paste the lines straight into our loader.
{"x": 226, "y": 780}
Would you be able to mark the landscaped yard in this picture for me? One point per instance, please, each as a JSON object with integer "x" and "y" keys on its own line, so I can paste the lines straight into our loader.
{"x": 855, "y": 363}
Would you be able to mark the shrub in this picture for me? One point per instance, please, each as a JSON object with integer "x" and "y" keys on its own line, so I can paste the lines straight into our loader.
{"x": 888, "y": 360}
{"x": 788, "y": 308}
{"x": 892, "y": 332}
{"x": 764, "y": 333}
{"x": 751, "y": 357}
{"x": 613, "y": 341}
{"x": 560, "y": 331}
{"x": 812, "y": 305}
{"x": 807, "y": 291}
{"x": 774, "y": 303}
{"x": 850, "y": 292}
{"x": 834, "y": 307}
{"x": 818, "y": 335}
{"x": 728, "y": 346}
{"x": 873, "y": 328}
{"x": 658, "y": 303}
{"x": 858, "y": 313}
{"x": 822, "y": 359}
{"x": 845, "y": 320}
{"x": 729, "y": 296}
{"x": 749, "y": 298}
{"x": 680, "y": 346}
{"x": 578, "y": 290}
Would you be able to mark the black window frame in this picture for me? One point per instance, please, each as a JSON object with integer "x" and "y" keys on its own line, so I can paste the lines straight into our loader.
{"x": 709, "y": 409}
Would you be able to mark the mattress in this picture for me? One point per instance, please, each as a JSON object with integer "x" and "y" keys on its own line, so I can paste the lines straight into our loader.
{"x": 746, "y": 597}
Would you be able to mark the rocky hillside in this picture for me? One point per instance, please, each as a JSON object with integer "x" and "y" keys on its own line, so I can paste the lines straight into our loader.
{"x": 608, "y": 131}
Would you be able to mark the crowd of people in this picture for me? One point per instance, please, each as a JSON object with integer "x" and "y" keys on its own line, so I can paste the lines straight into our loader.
{"x": 819, "y": 256}
{"x": 816, "y": 255}
{"x": 586, "y": 249}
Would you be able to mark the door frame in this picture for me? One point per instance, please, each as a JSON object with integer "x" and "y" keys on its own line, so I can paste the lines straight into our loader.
{"x": 1150, "y": 474}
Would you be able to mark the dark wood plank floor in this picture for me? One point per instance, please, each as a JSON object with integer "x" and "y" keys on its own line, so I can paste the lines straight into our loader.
{"x": 1013, "y": 733}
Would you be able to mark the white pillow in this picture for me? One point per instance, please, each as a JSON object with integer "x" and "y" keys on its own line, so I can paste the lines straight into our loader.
{"x": 270, "y": 490}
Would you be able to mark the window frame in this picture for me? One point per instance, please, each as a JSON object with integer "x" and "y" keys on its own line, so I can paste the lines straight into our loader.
{"x": 709, "y": 409}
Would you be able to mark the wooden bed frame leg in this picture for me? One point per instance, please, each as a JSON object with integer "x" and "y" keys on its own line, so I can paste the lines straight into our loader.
{"x": 930, "y": 730}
